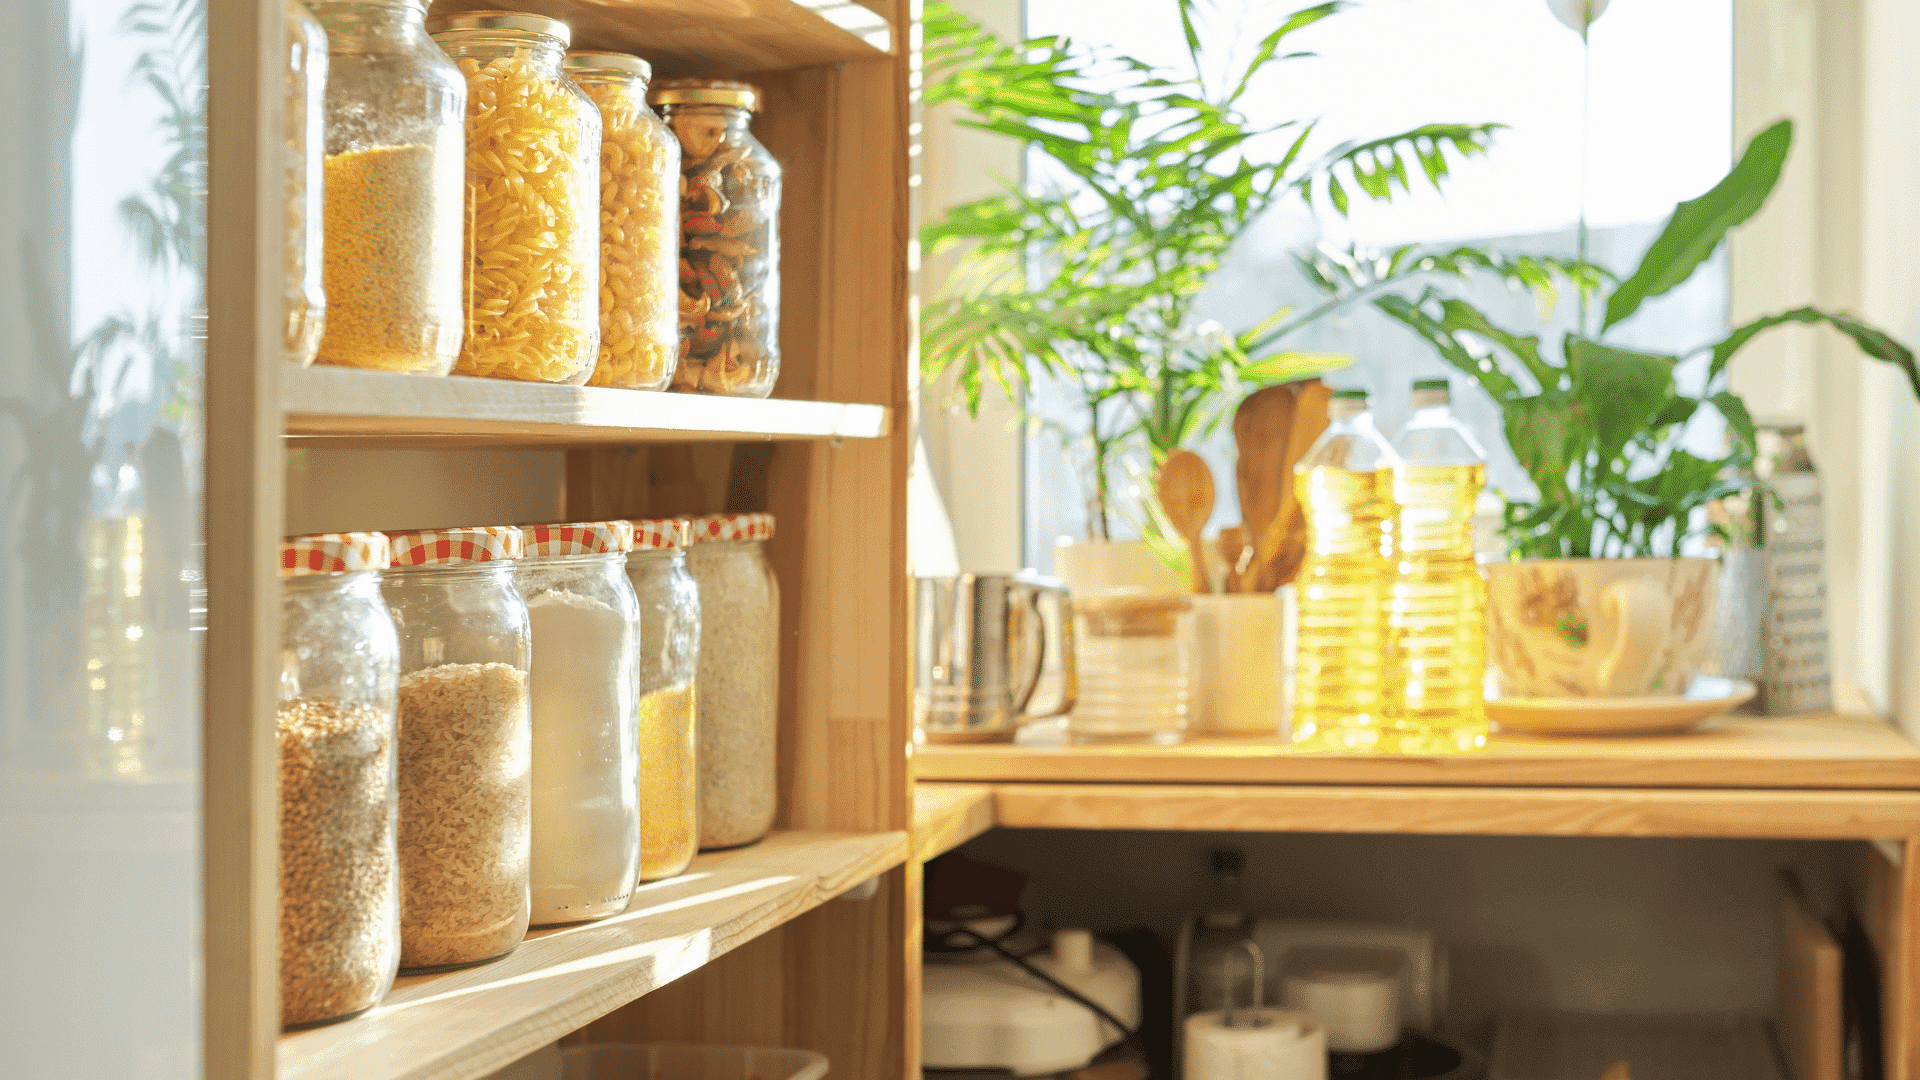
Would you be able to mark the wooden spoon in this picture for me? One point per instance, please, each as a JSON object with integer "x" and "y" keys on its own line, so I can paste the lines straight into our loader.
{"x": 1283, "y": 547}
{"x": 1260, "y": 430}
{"x": 1236, "y": 553}
{"x": 1186, "y": 494}
{"x": 1618, "y": 1072}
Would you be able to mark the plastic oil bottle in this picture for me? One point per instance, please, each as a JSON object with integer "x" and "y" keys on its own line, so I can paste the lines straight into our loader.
{"x": 1436, "y": 617}
{"x": 1345, "y": 486}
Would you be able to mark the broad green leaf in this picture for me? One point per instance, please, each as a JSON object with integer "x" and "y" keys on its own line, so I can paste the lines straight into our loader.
{"x": 1739, "y": 420}
{"x": 1540, "y": 431}
{"x": 1291, "y": 367}
{"x": 1461, "y": 315}
{"x": 1698, "y": 225}
{"x": 1870, "y": 340}
{"x": 1496, "y": 382}
{"x": 1619, "y": 391}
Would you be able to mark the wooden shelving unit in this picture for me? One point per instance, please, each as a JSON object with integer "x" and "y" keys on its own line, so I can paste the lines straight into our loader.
{"x": 948, "y": 815}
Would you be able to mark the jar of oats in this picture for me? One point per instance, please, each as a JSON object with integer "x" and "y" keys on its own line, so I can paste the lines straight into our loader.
{"x": 738, "y": 679}
{"x": 532, "y": 262}
{"x": 395, "y": 190}
{"x": 466, "y": 745}
{"x": 339, "y": 879}
{"x": 639, "y": 224}
{"x": 305, "y": 301}
{"x": 586, "y": 763}
{"x": 729, "y": 239}
{"x": 669, "y": 660}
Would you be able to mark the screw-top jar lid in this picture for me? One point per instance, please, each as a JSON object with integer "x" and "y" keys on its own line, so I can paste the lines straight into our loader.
{"x": 516, "y": 21}
{"x": 593, "y": 61}
{"x": 334, "y": 553}
{"x": 661, "y": 534}
{"x": 732, "y": 527}
{"x": 576, "y": 538}
{"x": 689, "y": 91}
{"x": 443, "y": 547}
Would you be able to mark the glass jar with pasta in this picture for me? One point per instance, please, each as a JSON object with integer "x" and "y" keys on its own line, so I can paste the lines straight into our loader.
{"x": 639, "y": 224}
{"x": 394, "y": 189}
{"x": 532, "y": 263}
{"x": 306, "y": 299}
{"x": 729, "y": 239}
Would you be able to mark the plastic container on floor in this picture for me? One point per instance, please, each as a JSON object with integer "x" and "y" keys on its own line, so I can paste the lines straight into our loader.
{"x": 661, "y": 1061}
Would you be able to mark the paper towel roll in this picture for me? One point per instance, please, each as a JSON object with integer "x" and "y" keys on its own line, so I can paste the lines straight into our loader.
{"x": 1287, "y": 1046}
{"x": 1360, "y": 1008}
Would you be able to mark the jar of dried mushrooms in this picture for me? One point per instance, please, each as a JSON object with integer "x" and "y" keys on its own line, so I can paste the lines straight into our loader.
{"x": 339, "y": 877}
{"x": 306, "y": 298}
{"x": 639, "y": 224}
{"x": 729, "y": 239}
{"x": 395, "y": 192}
{"x": 738, "y": 680}
{"x": 532, "y": 261}
{"x": 669, "y": 659}
{"x": 466, "y": 745}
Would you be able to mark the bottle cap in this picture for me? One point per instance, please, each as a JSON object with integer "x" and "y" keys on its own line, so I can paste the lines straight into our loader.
{"x": 1432, "y": 384}
{"x": 1349, "y": 394}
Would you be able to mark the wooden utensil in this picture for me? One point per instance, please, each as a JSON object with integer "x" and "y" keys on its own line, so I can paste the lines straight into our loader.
{"x": 1235, "y": 552}
{"x": 1618, "y": 1072}
{"x": 1283, "y": 547}
{"x": 1186, "y": 494}
{"x": 1260, "y": 431}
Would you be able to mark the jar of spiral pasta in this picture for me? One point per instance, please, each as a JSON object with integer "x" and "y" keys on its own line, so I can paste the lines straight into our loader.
{"x": 466, "y": 745}
{"x": 669, "y": 658}
{"x": 729, "y": 239}
{"x": 639, "y": 224}
{"x": 533, "y": 200}
{"x": 395, "y": 189}
{"x": 738, "y": 680}
{"x": 339, "y": 876}
{"x": 306, "y": 298}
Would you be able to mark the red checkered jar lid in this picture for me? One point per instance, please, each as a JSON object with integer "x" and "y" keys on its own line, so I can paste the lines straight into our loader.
{"x": 732, "y": 527}
{"x": 448, "y": 547}
{"x": 334, "y": 553}
{"x": 661, "y": 534}
{"x": 576, "y": 538}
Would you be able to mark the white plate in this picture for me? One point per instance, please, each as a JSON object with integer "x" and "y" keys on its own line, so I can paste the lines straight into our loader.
{"x": 1707, "y": 696}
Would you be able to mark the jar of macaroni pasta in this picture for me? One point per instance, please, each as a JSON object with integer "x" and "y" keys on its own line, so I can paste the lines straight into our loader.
{"x": 466, "y": 744}
{"x": 669, "y": 661}
{"x": 729, "y": 239}
{"x": 395, "y": 189}
{"x": 305, "y": 301}
{"x": 585, "y": 682}
{"x": 639, "y": 224}
{"x": 339, "y": 873}
{"x": 737, "y": 684}
{"x": 532, "y": 262}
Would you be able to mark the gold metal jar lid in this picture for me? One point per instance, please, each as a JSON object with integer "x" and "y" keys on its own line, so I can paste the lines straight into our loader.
{"x": 686, "y": 91}
{"x": 589, "y": 61}
{"x": 516, "y": 21}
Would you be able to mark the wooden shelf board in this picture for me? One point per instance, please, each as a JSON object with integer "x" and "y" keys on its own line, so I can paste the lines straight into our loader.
{"x": 468, "y": 1023}
{"x": 701, "y": 37}
{"x": 1808, "y": 752}
{"x": 948, "y": 815}
{"x": 345, "y": 407}
{"x": 1748, "y": 813}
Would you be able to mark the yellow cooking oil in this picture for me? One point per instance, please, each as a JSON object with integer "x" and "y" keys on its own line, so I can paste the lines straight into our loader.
{"x": 1342, "y": 676}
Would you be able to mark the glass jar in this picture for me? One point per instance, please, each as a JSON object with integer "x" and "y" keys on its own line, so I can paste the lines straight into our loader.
{"x": 639, "y": 224}
{"x": 532, "y": 262}
{"x": 669, "y": 661}
{"x": 729, "y": 239}
{"x": 306, "y": 299}
{"x": 339, "y": 876}
{"x": 466, "y": 745}
{"x": 738, "y": 680}
{"x": 1134, "y": 652}
{"x": 586, "y": 760}
{"x": 395, "y": 194}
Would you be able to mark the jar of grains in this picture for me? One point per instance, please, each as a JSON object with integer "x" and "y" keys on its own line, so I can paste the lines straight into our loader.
{"x": 466, "y": 745}
{"x": 394, "y": 190}
{"x": 532, "y": 260}
{"x": 339, "y": 884}
{"x": 729, "y": 239}
{"x": 669, "y": 658}
{"x": 639, "y": 224}
{"x": 738, "y": 679}
{"x": 306, "y": 299}
{"x": 586, "y": 762}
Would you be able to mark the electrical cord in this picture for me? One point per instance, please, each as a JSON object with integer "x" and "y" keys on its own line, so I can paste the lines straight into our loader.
{"x": 957, "y": 940}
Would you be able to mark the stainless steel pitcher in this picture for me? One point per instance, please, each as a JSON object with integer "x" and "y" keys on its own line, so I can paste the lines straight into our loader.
{"x": 981, "y": 643}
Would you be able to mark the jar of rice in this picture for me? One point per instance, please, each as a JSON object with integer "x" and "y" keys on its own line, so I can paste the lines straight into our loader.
{"x": 639, "y": 224}
{"x": 586, "y": 764}
{"x": 532, "y": 263}
{"x": 306, "y": 298}
{"x": 395, "y": 194}
{"x": 669, "y": 659}
{"x": 339, "y": 877}
{"x": 729, "y": 239}
{"x": 738, "y": 679}
{"x": 466, "y": 745}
